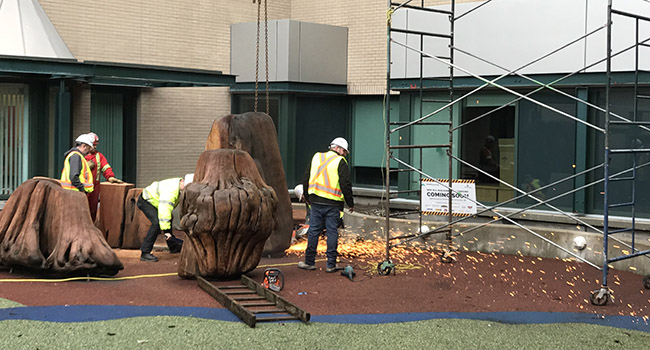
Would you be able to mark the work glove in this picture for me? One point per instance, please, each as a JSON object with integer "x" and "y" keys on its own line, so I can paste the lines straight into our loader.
{"x": 91, "y": 164}
{"x": 114, "y": 180}
{"x": 167, "y": 234}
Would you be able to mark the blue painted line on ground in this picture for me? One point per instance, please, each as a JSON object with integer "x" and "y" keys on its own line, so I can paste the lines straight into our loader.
{"x": 91, "y": 313}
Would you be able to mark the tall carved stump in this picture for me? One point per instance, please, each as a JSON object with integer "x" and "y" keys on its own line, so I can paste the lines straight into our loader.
{"x": 255, "y": 133}
{"x": 227, "y": 214}
{"x": 46, "y": 228}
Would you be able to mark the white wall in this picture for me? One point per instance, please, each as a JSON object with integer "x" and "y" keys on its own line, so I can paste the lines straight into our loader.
{"x": 514, "y": 33}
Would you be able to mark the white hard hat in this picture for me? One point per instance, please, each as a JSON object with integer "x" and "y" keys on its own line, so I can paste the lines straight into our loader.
{"x": 85, "y": 138}
{"x": 189, "y": 178}
{"x": 341, "y": 142}
{"x": 298, "y": 191}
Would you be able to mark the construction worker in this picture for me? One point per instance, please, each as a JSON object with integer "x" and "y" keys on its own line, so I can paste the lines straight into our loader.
{"x": 98, "y": 165}
{"x": 157, "y": 202}
{"x": 327, "y": 179}
{"x": 76, "y": 174}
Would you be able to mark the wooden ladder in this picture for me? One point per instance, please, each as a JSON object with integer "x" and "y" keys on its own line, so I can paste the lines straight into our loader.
{"x": 250, "y": 301}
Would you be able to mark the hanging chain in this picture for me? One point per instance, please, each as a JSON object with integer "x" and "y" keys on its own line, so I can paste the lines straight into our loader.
{"x": 266, "y": 53}
{"x": 257, "y": 54}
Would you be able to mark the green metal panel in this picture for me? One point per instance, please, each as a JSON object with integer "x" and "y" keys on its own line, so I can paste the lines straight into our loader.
{"x": 436, "y": 161}
{"x": 368, "y": 142}
{"x": 107, "y": 120}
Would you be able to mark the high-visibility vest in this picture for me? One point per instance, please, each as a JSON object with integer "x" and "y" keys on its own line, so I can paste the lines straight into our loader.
{"x": 324, "y": 176}
{"x": 85, "y": 176}
{"x": 164, "y": 196}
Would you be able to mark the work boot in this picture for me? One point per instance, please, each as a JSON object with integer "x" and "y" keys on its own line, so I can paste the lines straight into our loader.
{"x": 303, "y": 265}
{"x": 148, "y": 257}
{"x": 333, "y": 269}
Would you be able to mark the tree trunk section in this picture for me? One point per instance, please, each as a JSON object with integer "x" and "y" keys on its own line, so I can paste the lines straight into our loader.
{"x": 48, "y": 229}
{"x": 255, "y": 134}
{"x": 227, "y": 214}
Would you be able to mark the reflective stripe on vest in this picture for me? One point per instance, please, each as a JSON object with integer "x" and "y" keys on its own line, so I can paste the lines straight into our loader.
{"x": 324, "y": 176}
{"x": 85, "y": 176}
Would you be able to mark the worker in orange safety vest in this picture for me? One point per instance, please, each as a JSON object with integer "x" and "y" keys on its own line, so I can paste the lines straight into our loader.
{"x": 98, "y": 165}
{"x": 76, "y": 175}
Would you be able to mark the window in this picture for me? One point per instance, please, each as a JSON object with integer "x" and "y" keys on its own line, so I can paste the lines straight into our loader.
{"x": 488, "y": 144}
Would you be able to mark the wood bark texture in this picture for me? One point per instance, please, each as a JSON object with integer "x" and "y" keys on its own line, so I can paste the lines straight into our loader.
{"x": 48, "y": 229}
{"x": 136, "y": 223}
{"x": 227, "y": 214}
{"x": 255, "y": 133}
{"x": 110, "y": 220}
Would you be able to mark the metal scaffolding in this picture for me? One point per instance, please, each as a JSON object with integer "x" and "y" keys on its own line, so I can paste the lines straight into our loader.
{"x": 404, "y": 164}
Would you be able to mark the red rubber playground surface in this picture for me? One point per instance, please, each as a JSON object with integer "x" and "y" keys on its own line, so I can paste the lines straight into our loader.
{"x": 474, "y": 283}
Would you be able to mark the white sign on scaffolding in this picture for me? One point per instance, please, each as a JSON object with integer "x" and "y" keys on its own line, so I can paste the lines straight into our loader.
{"x": 434, "y": 199}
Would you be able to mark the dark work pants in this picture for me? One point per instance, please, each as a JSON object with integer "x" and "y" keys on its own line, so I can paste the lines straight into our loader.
{"x": 151, "y": 213}
{"x": 328, "y": 217}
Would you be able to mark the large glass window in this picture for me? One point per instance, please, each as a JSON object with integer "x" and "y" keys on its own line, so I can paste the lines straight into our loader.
{"x": 546, "y": 148}
{"x": 487, "y": 143}
{"x": 621, "y": 137}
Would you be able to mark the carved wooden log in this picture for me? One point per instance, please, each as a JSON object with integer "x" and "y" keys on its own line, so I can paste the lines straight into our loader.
{"x": 110, "y": 220}
{"x": 136, "y": 223}
{"x": 46, "y": 228}
{"x": 227, "y": 214}
{"x": 255, "y": 133}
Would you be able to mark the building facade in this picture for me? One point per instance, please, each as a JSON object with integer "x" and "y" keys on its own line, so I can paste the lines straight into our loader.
{"x": 156, "y": 127}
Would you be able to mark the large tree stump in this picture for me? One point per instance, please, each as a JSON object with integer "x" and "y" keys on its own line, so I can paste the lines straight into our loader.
{"x": 227, "y": 214}
{"x": 136, "y": 223}
{"x": 255, "y": 133}
{"x": 48, "y": 229}
{"x": 110, "y": 220}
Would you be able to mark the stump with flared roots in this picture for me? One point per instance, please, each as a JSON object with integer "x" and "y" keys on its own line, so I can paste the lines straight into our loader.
{"x": 48, "y": 229}
{"x": 254, "y": 132}
{"x": 227, "y": 213}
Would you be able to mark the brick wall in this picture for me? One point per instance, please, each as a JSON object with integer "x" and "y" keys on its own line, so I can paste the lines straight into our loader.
{"x": 173, "y": 125}
{"x": 80, "y": 95}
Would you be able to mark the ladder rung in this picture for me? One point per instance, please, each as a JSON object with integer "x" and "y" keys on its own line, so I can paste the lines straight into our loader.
{"x": 420, "y": 8}
{"x": 269, "y": 311}
{"x": 620, "y": 122}
{"x": 621, "y": 230}
{"x": 621, "y": 178}
{"x": 420, "y": 123}
{"x": 417, "y": 32}
{"x": 643, "y": 96}
{"x": 249, "y": 298}
{"x": 233, "y": 287}
{"x": 439, "y": 57}
{"x": 399, "y": 170}
{"x": 257, "y": 304}
{"x": 618, "y": 205}
{"x": 276, "y": 318}
{"x": 239, "y": 292}
{"x": 418, "y": 146}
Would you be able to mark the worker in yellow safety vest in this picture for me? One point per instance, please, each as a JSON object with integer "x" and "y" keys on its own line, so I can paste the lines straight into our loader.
{"x": 157, "y": 202}
{"x": 76, "y": 174}
{"x": 327, "y": 180}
